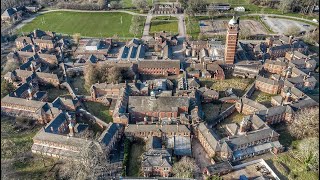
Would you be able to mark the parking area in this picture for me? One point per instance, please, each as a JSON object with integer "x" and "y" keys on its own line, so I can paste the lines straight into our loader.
{"x": 219, "y": 27}
{"x": 280, "y": 26}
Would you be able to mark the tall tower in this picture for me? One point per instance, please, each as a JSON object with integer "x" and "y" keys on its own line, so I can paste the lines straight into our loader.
{"x": 232, "y": 40}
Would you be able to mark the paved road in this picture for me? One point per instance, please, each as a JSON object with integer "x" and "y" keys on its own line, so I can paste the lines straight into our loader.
{"x": 146, "y": 28}
{"x": 284, "y": 16}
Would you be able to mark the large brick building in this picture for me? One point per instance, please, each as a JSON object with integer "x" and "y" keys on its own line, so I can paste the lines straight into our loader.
{"x": 159, "y": 67}
{"x": 231, "y": 40}
{"x": 152, "y": 108}
{"x": 267, "y": 85}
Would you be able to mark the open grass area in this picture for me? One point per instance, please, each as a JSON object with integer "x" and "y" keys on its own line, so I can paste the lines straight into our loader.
{"x": 79, "y": 84}
{"x": 137, "y": 149}
{"x": 53, "y": 92}
{"x": 99, "y": 110}
{"x": 239, "y": 85}
{"x": 291, "y": 168}
{"x": 17, "y": 162}
{"x": 235, "y": 117}
{"x": 262, "y": 97}
{"x": 161, "y": 24}
{"x": 99, "y": 24}
{"x": 211, "y": 110}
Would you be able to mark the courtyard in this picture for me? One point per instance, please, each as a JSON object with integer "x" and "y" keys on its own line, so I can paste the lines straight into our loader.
{"x": 97, "y": 24}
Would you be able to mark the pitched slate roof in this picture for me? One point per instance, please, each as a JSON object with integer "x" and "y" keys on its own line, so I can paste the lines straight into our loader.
{"x": 219, "y": 167}
{"x": 268, "y": 81}
{"x": 22, "y": 102}
{"x": 56, "y": 123}
{"x": 210, "y": 136}
{"x": 159, "y": 64}
{"x": 109, "y": 133}
{"x": 251, "y": 136}
{"x": 160, "y": 104}
{"x": 9, "y": 12}
{"x": 153, "y": 128}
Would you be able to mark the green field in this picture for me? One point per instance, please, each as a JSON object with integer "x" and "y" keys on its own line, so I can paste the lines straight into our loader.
{"x": 165, "y": 23}
{"x": 136, "y": 151}
{"x": 99, "y": 24}
{"x": 99, "y": 110}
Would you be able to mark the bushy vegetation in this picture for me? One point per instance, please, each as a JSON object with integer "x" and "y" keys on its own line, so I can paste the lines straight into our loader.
{"x": 106, "y": 73}
{"x": 6, "y": 87}
{"x": 125, "y": 163}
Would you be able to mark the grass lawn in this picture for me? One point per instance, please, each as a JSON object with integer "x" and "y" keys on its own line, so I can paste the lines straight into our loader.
{"x": 262, "y": 97}
{"x": 15, "y": 147}
{"x": 78, "y": 82}
{"x": 99, "y": 110}
{"x": 100, "y": 24}
{"x": 235, "y": 117}
{"x": 137, "y": 149}
{"x": 160, "y": 24}
{"x": 289, "y": 167}
{"x": 239, "y": 85}
{"x": 53, "y": 92}
{"x": 211, "y": 110}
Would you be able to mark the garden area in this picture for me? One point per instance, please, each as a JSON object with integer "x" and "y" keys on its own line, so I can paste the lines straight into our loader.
{"x": 134, "y": 163}
{"x": 99, "y": 110}
{"x": 98, "y": 24}
{"x": 164, "y": 23}
{"x": 78, "y": 84}
{"x": 239, "y": 85}
{"x": 262, "y": 97}
{"x": 17, "y": 162}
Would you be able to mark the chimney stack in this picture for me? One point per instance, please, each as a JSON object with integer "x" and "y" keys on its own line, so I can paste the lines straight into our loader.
{"x": 71, "y": 129}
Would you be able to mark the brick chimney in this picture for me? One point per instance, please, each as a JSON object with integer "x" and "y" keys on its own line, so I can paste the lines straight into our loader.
{"x": 30, "y": 93}
{"x": 71, "y": 129}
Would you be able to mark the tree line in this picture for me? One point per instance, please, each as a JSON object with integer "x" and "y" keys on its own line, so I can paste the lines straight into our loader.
{"x": 106, "y": 73}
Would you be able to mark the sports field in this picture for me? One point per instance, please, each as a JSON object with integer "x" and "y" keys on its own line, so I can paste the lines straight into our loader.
{"x": 165, "y": 23}
{"x": 98, "y": 24}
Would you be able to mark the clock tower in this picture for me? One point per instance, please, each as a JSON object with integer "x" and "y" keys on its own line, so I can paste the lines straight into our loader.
{"x": 231, "y": 41}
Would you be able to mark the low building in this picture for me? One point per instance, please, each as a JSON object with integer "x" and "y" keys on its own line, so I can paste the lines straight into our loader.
{"x": 133, "y": 131}
{"x": 247, "y": 69}
{"x": 276, "y": 67}
{"x": 267, "y": 85}
{"x": 152, "y": 108}
{"x": 156, "y": 162}
{"x": 159, "y": 67}
{"x": 11, "y": 15}
{"x": 218, "y": 169}
{"x": 132, "y": 51}
{"x": 247, "y": 106}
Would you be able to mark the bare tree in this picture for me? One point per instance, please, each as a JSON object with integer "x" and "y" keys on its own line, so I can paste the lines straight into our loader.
{"x": 11, "y": 65}
{"x": 292, "y": 31}
{"x": 91, "y": 159}
{"x": 308, "y": 152}
{"x": 116, "y": 4}
{"x": 102, "y": 4}
{"x": 140, "y": 4}
{"x": 185, "y": 168}
{"x": 76, "y": 37}
{"x": 305, "y": 124}
{"x": 285, "y": 5}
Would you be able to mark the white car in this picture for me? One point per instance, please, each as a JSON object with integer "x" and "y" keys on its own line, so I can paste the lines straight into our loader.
{"x": 315, "y": 20}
